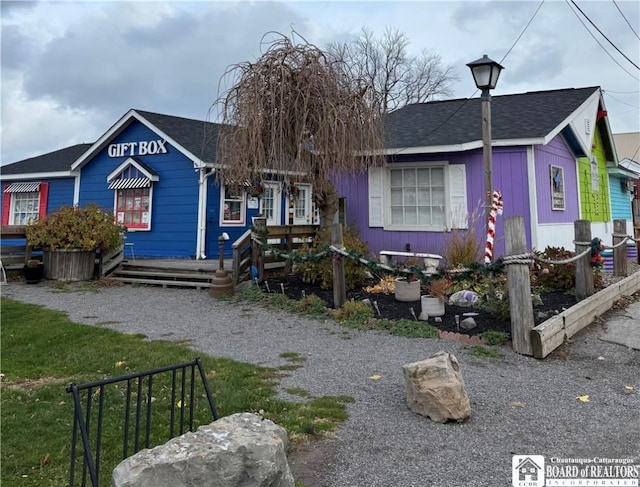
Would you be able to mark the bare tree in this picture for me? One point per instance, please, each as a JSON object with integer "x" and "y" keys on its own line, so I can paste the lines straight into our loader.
{"x": 295, "y": 111}
{"x": 398, "y": 78}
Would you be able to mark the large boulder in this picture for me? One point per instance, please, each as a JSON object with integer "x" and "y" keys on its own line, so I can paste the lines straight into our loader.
{"x": 435, "y": 388}
{"x": 238, "y": 450}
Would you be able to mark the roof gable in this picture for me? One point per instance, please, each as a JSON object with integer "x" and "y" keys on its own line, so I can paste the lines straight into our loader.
{"x": 196, "y": 139}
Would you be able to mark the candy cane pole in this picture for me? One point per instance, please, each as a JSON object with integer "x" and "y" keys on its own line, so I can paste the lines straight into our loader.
{"x": 496, "y": 209}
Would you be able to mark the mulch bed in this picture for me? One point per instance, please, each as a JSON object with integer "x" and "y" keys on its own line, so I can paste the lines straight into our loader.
{"x": 390, "y": 308}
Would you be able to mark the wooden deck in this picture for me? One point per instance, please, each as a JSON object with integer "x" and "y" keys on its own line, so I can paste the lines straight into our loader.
{"x": 189, "y": 265}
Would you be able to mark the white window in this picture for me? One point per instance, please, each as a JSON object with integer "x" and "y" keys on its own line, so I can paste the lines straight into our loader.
{"x": 418, "y": 197}
{"x": 25, "y": 208}
{"x": 232, "y": 206}
{"x": 132, "y": 184}
{"x": 301, "y": 203}
{"x": 23, "y": 203}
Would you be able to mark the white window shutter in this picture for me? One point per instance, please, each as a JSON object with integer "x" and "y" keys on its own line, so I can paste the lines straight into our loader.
{"x": 458, "y": 195}
{"x": 376, "y": 200}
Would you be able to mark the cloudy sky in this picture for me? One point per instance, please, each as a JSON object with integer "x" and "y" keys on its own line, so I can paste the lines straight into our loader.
{"x": 71, "y": 69}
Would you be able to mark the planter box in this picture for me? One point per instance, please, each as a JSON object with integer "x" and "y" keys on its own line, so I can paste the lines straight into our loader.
{"x": 33, "y": 274}
{"x": 432, "y": 306}
{"x": 69, "y": 265}
{"x": 407, "y": 290}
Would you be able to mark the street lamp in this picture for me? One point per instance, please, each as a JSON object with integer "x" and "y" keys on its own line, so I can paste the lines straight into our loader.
{"x": 485, "y": 73}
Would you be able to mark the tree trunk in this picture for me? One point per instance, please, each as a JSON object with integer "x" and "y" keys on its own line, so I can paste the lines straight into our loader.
{"x": 326, "y": 198}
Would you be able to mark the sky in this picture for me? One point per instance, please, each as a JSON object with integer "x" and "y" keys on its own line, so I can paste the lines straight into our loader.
{"x": 70, "y": 70}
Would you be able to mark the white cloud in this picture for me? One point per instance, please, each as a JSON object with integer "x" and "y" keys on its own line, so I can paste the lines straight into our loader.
{"x": 71, "y": 69}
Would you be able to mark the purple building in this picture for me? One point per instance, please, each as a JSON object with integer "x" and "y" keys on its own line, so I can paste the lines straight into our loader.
{"x": 433, "y": 180}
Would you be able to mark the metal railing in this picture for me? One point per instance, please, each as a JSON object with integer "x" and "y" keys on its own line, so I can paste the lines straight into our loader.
{"x": 172, "y": 406}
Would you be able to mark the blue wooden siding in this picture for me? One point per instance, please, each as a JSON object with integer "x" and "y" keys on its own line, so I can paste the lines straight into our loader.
{"x": 620, "y": 200}
{"x": 174, "y": 200}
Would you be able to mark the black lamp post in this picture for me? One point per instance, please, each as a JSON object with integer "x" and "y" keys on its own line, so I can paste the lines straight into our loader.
{"x": 485, "y": 73}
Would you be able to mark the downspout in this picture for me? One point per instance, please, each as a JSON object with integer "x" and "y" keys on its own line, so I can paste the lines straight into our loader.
{"x": 201, "y": 236}
{"x": 533, "y": 200}
{"x": 76, "y": 189}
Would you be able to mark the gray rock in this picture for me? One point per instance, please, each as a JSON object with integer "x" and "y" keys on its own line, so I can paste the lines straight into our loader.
{"x": 435, "y": 388}
{"x": 536, "y": 300}
{"x": 468, "y": 323}
{"x": 241, "y": 450}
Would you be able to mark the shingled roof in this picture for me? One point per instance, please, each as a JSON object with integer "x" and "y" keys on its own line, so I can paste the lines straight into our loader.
{"x": 197, "y": 136}
{"x": 453, "y": 122}
{"x": 56, "y": 161}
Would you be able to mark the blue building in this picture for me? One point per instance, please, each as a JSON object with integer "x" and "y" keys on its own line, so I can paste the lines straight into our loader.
{"x": 156, "y": 173}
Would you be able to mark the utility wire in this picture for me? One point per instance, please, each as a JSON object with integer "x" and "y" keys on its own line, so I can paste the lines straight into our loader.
{"x": 622, "y": 13}
{"x": 603, "y": 48}
{"x": 603, "y": 35}
{"x": 473, "y": 94}
{"x": 523, "y": 31}
{"x": 608, "y": 93}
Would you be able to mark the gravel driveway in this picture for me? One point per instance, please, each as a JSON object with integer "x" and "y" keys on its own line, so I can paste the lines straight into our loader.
{"x": 519, "y": 405}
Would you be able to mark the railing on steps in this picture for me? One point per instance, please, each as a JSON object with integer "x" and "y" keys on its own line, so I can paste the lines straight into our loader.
{"x": 242, "y": 258}
{"x": 281, "y": 237}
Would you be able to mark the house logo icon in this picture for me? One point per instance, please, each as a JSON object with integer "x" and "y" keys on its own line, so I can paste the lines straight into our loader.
{"x": 528, "y": 471}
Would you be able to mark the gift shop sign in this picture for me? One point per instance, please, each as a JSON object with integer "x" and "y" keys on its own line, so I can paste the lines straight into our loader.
{"x": 142, "y": 148}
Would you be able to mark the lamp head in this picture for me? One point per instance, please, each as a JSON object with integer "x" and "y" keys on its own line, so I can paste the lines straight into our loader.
{"x": 485, "y": 72}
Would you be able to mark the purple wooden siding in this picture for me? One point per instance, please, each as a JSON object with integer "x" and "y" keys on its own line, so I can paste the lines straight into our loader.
{"x": 556, "y": 153}
{"x": 509, "y": 176}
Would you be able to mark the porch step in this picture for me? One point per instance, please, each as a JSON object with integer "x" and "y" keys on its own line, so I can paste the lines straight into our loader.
{"x": 163, "y": 275}
{"x": 162, "y": 282}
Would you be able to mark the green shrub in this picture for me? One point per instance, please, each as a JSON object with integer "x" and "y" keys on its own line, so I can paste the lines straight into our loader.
{"x": 311, "y": 305}
{"x": 559, "y": 277}
{"x": 75, "y": 228}
{"x": 353, "y": 313}
{"x": 321, "y": 272}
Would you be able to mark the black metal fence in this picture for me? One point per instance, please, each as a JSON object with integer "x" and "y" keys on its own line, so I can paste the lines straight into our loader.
{"x": 126, "y": 414}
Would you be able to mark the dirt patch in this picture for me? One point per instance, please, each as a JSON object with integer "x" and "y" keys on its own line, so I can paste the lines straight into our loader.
{"x": 30, "y": 384}
{"x": 293, "y": 286}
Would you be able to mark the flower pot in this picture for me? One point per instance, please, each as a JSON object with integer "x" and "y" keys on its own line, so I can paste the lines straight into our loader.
{"x": 33, "y": 273}
{"x": 407, "y": 290}
{"x": 69, "y": 265}
{"x": 432, "y": 305}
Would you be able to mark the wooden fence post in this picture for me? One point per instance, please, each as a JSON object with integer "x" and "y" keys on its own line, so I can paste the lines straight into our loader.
{"x": 619, "y": 253}
{"x": 520, "y": 303}
{"x": 584, "y": 273}
{"x": 339, "y": 286}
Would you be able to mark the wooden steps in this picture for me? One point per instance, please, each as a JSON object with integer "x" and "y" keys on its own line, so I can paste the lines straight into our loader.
{"x": 129, "y": 272}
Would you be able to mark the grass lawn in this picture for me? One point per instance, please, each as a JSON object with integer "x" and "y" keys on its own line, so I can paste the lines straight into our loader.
{"x": 42, "y": 351}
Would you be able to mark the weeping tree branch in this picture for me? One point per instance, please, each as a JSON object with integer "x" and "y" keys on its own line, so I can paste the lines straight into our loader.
{"x": 296, "y": 111}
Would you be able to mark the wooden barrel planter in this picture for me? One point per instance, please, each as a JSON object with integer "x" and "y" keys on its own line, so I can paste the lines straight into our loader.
{"x": 69, "y": 265}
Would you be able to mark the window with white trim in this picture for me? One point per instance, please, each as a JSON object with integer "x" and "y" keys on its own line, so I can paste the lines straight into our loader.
{"x": 24, "y": 203}
{"x": 133, "y": 208}
{"x": 25, "y": 208}
{"x": 132, "y": 183}
{"x": 418, "y": 197}
{"x": 232, "y": 206}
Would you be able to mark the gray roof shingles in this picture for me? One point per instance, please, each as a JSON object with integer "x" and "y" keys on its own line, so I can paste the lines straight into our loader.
{"x": 438, "y": 123}
{"x": 453, "y": 122}
{"x": 55, "y": 161}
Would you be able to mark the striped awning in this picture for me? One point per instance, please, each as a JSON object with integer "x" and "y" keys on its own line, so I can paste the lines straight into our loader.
{"x": 130, "y": 183}
{"x": 22, "y": 187}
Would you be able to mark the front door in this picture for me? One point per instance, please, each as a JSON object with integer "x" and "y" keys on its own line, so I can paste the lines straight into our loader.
{"x": 302, "y": 205}
{"x": 271, "y": 204}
